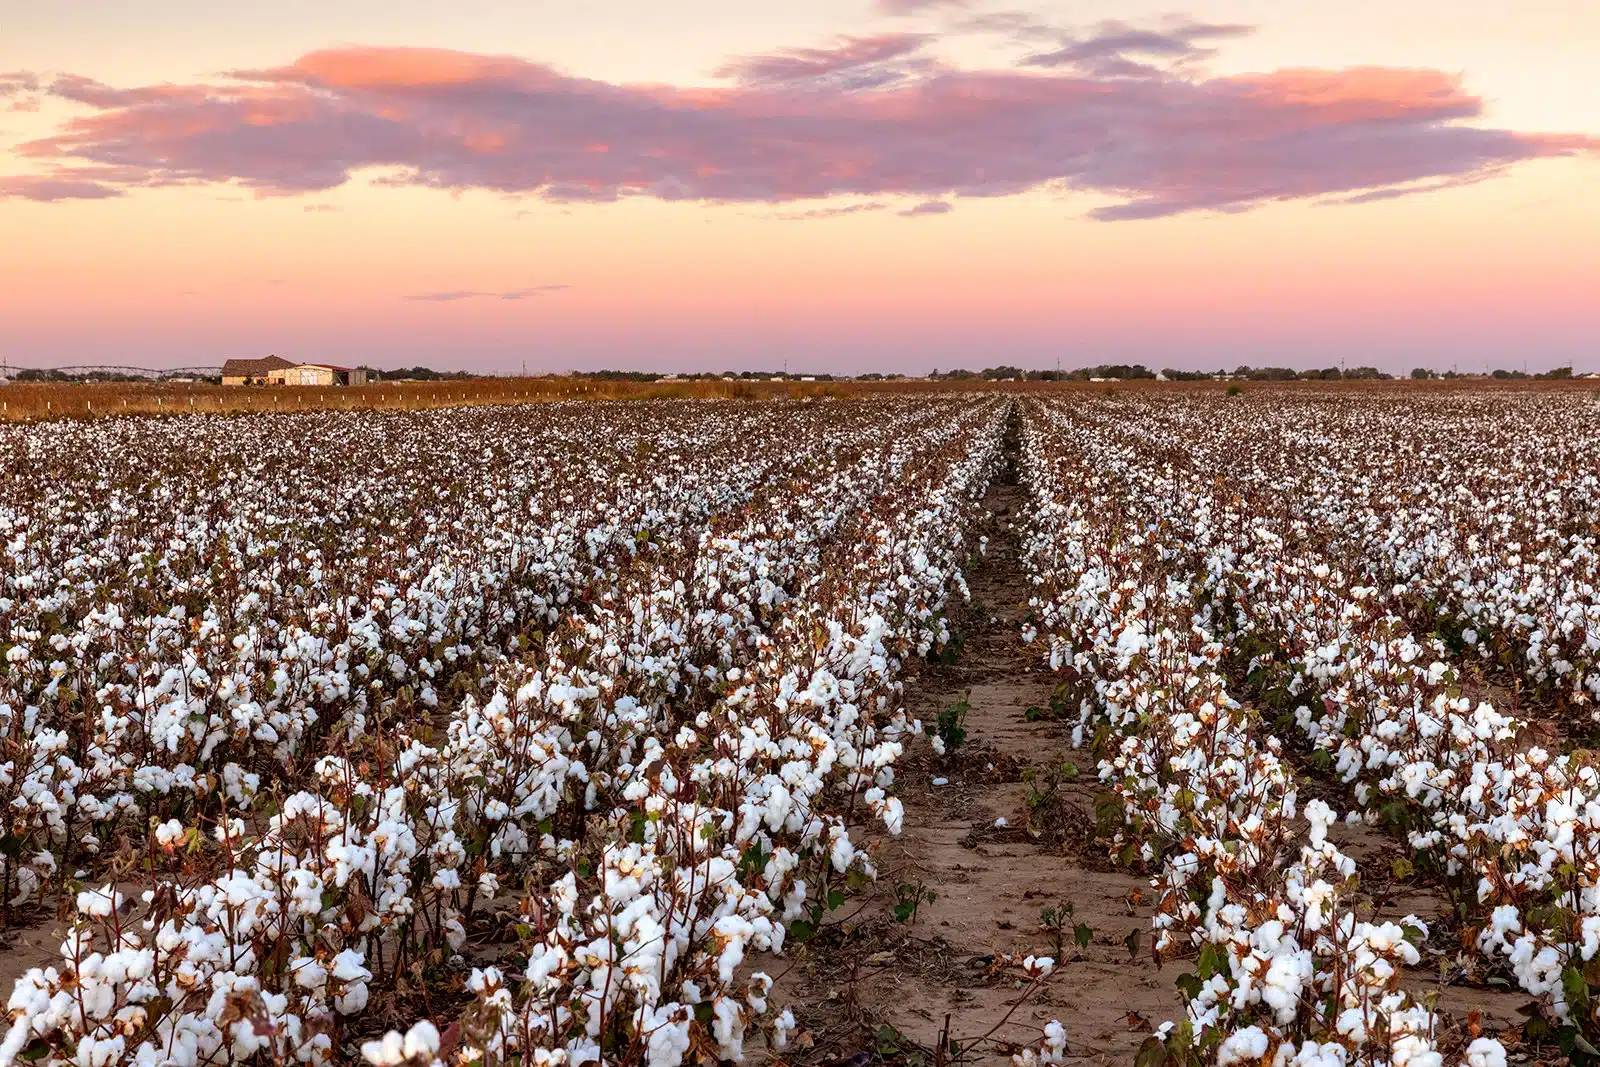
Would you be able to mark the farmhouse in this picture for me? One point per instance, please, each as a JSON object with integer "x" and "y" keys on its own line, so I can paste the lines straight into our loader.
{"x": 253, "y": 371}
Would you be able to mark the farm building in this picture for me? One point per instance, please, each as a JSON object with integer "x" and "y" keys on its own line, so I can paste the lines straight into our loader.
{"x": 320, "y": 374}
{"x": 253, "y": 371}
{"x": 275, "y": 370}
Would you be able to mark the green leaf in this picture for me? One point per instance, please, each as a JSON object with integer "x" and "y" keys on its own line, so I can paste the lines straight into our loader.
{"x": 1191, "y": 985}
{"x": 801, "y": 931}
{"x": 1133, "y": 941}
{"x": 1082, "y": 935}
{"x": 1153, "y": 1053}
{"x": 835, "y": 898}
{"x": 1575, "y": 987}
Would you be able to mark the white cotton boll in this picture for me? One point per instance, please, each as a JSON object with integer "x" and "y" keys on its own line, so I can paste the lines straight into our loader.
{"x": 1320, "y": 816}
{"x": 353, "y": 999}
{"x": 1001, "y": 822}
{"x": 733, "y": 932}
{"x": 1311, "y": 1054}
{"x": 309, "y": 973}
{"x": 941, "y": 781}
{"x": 1054, "y": 1050}
{"x": 99, "y": 904}
{"x": 388, "y": 1051}
{"x": 669, "y": 1035}
{"x": 1486, "y": 1052}
{"x": 1245, "y": 1046}
{"x": 727, "y": 1026}
{"x": 782, "y": 1027}
{"x": 422, "y": 1040}
{"x": 169, "y": 833}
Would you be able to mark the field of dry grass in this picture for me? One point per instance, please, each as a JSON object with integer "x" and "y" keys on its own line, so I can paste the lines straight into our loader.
{"x": 30, "y": 401}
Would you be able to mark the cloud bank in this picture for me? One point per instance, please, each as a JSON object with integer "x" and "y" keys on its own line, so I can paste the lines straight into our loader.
{"x": 1118, "y": 113}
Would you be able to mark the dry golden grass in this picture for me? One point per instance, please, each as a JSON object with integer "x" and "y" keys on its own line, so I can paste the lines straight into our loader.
{"x": 30, "y": 401}
{"x": 25, "y": 401}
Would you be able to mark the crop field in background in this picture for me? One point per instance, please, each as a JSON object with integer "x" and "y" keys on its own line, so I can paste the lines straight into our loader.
{"x": 23, "y": 401}
{"x": 35, "y": 401}
{"x": 817, "y": 725}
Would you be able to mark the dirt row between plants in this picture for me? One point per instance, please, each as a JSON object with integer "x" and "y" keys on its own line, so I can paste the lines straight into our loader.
{"x": 959, "y": 887}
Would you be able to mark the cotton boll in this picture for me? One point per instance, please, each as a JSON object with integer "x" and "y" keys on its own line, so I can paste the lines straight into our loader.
{"x": 1486, "y": 1052}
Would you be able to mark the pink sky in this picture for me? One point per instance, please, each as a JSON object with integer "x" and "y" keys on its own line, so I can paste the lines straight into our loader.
{"x": 845, "y": 186}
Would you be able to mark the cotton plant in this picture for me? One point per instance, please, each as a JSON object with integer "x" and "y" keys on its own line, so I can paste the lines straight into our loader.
{"x": 535, "y": 705}
{"x": 1205, "y": 797}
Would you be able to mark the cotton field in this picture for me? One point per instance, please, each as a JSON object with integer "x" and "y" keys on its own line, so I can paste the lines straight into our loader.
{"x": 559, "y": 734}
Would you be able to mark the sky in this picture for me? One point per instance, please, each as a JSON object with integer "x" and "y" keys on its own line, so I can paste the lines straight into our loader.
{"x": 835, "y": 186}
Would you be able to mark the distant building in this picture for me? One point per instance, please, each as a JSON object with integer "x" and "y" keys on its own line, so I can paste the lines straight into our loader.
{"x": 253, "y": 371}
{"x": 319, "y": 374}
{"x": 275, "y": 370}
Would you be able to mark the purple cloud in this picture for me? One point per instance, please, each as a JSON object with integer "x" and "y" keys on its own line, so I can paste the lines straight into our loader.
{"x": 451, "y": 295}
{"x": 1109, "y": 51}
{"x": 22, "y": 88}
{"x": 928, "y": 207}
{"x": 1017, "y": 25}
{"x": 854, "y": 62}
{"x": 46, "y": 189}
{"x": 458, "y": 121}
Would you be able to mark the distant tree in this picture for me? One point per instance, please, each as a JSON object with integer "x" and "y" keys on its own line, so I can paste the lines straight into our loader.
{"x": 1422, "y": 374}
{"x": 425, "y": 374}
